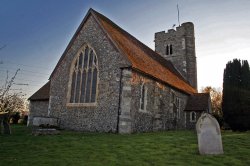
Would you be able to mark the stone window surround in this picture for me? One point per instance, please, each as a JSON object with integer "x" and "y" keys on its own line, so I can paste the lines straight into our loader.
{"x": 94, "y": 104}
{"x": 145, "y": 98}
{"x": 175, "y": 100}
{"x": 191, "y": 116}
{"x": 178, "y": 105}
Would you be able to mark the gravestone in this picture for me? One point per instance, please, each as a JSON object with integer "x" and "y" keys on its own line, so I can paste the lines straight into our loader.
{"x": 209, "y": 135}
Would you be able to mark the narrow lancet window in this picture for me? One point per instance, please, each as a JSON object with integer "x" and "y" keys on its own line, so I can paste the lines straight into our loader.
{"x": 171, "y": 49}
{"x": 143, "y": 99}
{"x": 167, "y": 50}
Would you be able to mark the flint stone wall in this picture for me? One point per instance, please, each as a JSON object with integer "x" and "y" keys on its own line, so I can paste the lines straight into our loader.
{"x": 45, "y": 121}
{"x": 189, "y": 124}
{"x": 159, "y": 113}
{"x": 102, "y": 117}
{"x": 37, "y": 109}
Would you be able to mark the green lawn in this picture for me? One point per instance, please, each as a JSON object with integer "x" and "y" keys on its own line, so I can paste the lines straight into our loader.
{"x": 161, "y": 148}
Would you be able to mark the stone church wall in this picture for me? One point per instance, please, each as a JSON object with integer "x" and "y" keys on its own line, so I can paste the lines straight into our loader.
{"x": 38, "y": 109}
{"x": 191, "y": 124}
{"x": 159, "y": 113}
{"x": 103, "y": 116}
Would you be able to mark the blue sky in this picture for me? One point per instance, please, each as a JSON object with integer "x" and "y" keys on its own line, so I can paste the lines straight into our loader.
{"x": 34, "y": 33}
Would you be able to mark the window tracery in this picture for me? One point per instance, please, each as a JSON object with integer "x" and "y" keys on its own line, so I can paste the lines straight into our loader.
{"x": 84, "y": 77}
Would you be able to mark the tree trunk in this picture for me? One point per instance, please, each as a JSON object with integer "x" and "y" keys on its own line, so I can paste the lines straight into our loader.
{"x": 4, "y": 124}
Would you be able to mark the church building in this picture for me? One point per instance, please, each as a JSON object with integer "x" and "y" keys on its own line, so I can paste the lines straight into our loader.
{"x": 108, "y": 81}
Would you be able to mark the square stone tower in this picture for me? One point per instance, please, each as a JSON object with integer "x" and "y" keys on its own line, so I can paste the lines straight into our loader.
{"x": 178, "y": 46}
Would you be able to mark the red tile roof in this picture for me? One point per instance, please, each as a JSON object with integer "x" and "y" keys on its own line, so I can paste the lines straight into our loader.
{"x": 198, "y": 102}
{"x": 41, "y": 94}
{"x": 140, "y": 56}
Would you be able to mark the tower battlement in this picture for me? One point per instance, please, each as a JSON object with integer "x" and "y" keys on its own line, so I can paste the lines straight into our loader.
{"x": 187, "y": 27}
{"x": 178, "y": 46}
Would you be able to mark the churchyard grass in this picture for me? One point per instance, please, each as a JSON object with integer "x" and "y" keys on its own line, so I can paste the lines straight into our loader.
{"x": 76, "y": 148}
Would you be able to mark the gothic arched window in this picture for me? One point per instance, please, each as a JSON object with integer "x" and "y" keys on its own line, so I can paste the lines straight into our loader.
{"x": 84, "y": 77}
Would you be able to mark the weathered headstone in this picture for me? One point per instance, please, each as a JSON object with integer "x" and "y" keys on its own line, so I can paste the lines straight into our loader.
{"x": 209, "y": 135}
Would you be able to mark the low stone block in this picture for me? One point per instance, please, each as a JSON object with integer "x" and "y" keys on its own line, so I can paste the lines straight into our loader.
{"x": 45, "y": 121}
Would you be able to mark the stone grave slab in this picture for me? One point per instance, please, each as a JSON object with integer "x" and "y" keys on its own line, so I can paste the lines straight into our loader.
{"x": 45, "y": 121}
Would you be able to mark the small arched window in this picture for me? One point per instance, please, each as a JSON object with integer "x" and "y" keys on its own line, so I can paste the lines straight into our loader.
{"x": 143, "y": 99}
{"x": 84, "y": 77}
{"x": 192, "y": 116}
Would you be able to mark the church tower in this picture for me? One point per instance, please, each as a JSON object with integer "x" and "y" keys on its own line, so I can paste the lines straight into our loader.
{"x": 178, "y": 46}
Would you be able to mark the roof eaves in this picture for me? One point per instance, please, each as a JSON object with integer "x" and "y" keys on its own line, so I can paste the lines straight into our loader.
{"x": 149, "y": 75}
{"x": 47, "y": 99}
{"x": 46, "y": 88}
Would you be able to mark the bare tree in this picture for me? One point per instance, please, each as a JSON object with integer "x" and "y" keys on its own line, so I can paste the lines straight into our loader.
{"x": 9, "y": 103}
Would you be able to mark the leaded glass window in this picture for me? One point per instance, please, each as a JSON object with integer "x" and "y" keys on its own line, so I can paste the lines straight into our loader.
{"x": 84, "y": 77}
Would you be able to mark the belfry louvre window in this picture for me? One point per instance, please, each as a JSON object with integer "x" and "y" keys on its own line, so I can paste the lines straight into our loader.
{"x": 169, "y": 49}
{"x": 84, "y": 77}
